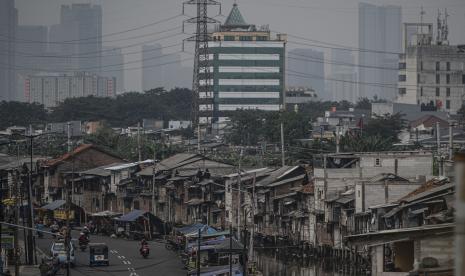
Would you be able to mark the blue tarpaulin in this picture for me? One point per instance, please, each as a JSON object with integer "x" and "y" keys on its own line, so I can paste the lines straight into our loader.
{"x": 132, "y": 216}
{"x": 193, "y": 229}
{"x": 54, "y": 205}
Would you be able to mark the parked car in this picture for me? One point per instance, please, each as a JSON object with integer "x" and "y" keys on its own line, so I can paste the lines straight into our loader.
{"x": 59, "y": 248}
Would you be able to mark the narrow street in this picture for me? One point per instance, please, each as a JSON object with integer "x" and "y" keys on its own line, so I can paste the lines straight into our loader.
{"x": 124, "y": 259}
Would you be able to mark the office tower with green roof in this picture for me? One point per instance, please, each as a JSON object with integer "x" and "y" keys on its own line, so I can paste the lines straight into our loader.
{"x": 246, "y": 68}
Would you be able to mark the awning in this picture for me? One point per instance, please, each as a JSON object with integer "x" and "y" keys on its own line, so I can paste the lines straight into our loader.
{"x": 195, "y": 201}
{"x": 193, "y": 230}
{"x": 105, "y": 214}
{"x": 418, "y": 211}
{"x": 132, "y": 216}
{"x": 345, "y": 199}
{"x": 54, "y": 205}
{"x": 288, "y": 201}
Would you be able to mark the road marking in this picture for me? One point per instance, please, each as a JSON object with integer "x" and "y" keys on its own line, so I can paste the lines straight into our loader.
{"x": 122, "y": 257}
{"x": 116, "y": 251}
{"x": 128, "y": 262}
{"x": 119, "y": 257}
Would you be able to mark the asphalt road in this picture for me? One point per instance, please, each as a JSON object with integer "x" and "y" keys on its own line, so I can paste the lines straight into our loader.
{"x": 125, "y": 259}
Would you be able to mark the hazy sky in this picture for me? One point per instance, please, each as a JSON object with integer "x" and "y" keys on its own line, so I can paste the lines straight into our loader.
{"x": 333, "y": 21}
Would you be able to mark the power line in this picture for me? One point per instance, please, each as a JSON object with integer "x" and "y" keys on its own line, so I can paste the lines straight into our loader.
{"x": 106, "y": 41}
{"x": 98, "y": 37}
{"x": 334, "y": 46}
{"x": 112, "y": 49}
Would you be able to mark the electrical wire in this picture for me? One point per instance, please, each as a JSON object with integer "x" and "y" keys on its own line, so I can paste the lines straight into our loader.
{"x": 98, "y": 37}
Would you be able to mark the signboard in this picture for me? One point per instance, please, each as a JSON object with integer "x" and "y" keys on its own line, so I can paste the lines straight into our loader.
{"x": 7, "y": 241}
{"x": 61, "y": 214}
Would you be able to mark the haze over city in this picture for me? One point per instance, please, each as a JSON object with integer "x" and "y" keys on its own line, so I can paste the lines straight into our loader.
{"x": 328, "y": 21}
{"x": 232, "y": 137}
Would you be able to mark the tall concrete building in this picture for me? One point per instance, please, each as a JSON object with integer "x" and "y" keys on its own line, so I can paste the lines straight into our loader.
{"x": 152, "y": 75}
{"x": 113, "y": 66}
{"x": 81, "y": 24}
{"x": 431, "y": 73}
{"x": 163, "y": 69}
{"x": 247, "y": 66}
{"x": 50, "y": 89}
{"x": 8, "y": 23}
{"x": 379, "y": 36}
{"x": 310, "y": 64}
{"x": 343, "y": 83}
{"x": 30, "y": 56}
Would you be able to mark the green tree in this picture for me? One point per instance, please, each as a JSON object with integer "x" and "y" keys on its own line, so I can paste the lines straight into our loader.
{"x": 21, "y": 114}
{"x": 385, "y": 126}
{"x": 363, "y": 103}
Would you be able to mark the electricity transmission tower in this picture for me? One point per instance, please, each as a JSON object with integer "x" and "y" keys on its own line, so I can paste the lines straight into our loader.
{"x": 202, "y": 103}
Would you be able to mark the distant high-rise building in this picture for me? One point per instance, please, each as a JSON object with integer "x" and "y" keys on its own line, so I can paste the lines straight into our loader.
{"x": 30, "y": 56}
{"x": 163, "y": 70}
{"x": 379, "y": 36}
{"x": 152, "y": 76}
{"x": 83, "y": 24}
{"x": 50, "y": 89}
{"x": 343, "y": 82}
{"x": 8, "y": 23}
{"x": 113, "y": 66}
{"x": 306, "y": 68}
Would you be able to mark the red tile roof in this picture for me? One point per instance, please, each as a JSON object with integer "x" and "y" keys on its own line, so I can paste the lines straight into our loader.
{"x": 79, "y": 149}
{"x": 431, "y": 184}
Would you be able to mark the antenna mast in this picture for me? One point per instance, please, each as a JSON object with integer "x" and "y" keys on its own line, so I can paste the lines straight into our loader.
{"x": 201, "y": 81}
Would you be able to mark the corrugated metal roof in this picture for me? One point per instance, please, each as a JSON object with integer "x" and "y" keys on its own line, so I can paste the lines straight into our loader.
{"x": 54, "y": 205}
{"x": 132, "y": 216}
{"x": 128, "y": 165}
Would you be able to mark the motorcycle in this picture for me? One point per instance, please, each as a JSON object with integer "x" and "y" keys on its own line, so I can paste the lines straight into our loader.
{"x": 144, "y": 251}
{"x": 83, "y": 246}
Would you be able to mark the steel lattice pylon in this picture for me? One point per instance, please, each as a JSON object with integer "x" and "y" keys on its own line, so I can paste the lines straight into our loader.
{"x": 201, "y": 81}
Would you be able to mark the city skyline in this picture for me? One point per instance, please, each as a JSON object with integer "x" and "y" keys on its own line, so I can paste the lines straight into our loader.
{"x": 118, "y": 15}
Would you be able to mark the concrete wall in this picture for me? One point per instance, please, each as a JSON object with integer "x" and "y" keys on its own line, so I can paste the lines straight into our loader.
{"x": 378, "y": 193}
{"x": 440, "y": 248}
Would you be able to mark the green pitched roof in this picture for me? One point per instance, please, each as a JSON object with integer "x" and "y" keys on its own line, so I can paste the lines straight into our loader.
{"x": 235, "y": 18}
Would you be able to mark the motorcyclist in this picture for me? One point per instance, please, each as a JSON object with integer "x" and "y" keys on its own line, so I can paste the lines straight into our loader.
{"x": 86, "y": 231}
{"x": 83, "y": 239}
{"x": 143, "y": 245}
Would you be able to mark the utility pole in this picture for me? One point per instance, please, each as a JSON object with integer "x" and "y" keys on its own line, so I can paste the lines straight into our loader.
{"x": 68, "y": 231}
{"x": 201, "y": 81}
{"x": 283, "y": 160}
{"x": 138, "y": 142}
{"x": 252, "y": 228}
{"x": 438, "y": 137}
{"x": 69, "y": 136}
{"x": 230, "y": 249}
{"x": 459, "y": 160}
{"x": 198, "y": 252}
{"x": 16, "y": 242}
{"x": 30, "y": 247}
{"x": 239, "y": 207}
{"x": 154, "y": 206}
{"x": 337, "y": 137}
{"x": 451, "y": 140}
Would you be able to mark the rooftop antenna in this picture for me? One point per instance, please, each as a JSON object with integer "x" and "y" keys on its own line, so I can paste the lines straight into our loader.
{"x": 439, "y": 29}
{"x": 422, "y": 13}
{"x": 445, "y": 26}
